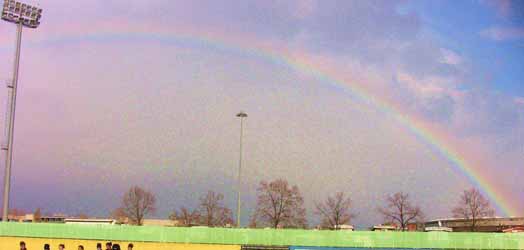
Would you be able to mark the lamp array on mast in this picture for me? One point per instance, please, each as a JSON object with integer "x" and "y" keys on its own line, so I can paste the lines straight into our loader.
{"x": 17, "y": 12}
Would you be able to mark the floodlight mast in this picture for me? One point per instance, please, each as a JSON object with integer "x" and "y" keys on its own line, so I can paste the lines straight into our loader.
{"x": 23, "y": 15}
{"x": 241, "y": 115}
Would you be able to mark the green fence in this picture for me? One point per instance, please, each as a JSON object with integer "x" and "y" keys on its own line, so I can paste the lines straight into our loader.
{"x": 280, "y": 237}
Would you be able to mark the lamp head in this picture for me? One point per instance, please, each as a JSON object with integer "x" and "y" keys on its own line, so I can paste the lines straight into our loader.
{"x": 17, "y": 12}
{"x": 241, "y": 114}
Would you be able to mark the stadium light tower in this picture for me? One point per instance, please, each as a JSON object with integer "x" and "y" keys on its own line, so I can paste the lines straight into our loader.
{"x": 23, "y": 15}
{"x": 241, "y": 115}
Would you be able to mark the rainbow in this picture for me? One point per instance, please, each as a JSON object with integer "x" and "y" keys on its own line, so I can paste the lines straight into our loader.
{"x": 439, "y": 141}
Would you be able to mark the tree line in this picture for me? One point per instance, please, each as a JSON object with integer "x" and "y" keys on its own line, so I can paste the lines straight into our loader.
{"x": 280, "y": 205}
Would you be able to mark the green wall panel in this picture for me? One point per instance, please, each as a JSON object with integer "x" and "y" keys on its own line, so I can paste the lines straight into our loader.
{"x": 286, "y": 237}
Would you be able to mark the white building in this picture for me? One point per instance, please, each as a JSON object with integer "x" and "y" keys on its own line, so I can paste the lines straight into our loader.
{"x": 90, "y": 221}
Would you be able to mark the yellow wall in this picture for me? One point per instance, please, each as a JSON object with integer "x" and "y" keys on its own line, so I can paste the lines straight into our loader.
{"x": 13, "y": 243}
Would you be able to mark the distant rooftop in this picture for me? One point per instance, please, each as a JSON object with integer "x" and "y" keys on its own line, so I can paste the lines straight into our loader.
{"x": 480, "y": 218}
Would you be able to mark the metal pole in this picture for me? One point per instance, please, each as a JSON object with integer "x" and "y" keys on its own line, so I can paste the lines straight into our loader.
{"x": 239, "y": 171}
{"x": 11, "y": 125}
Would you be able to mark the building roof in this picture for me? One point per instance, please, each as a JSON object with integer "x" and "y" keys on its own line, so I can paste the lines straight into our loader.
{"x": 88, "y": 220}
{"x": 514, "y": 230}
{"x": 384, "y": 227}
{"x": 438, "y": 229}
{"x": 345, "y": 227}
{"x": 481, "y": 218}
{"x": 158, "y": 222}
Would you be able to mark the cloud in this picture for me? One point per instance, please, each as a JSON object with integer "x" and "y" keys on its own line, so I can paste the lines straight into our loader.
{"x": 175, "y": 104}
{"x": 304, "y": 8}
{"x": 506, "y": 9}
{"x": 482, "y": 113}
{"x": 429, "y": 97}
{"x": 519, "y": 100}
{"x": 450, "y": 57}
{"x": 501, "y": 7}
{"x": 503, "y": 33}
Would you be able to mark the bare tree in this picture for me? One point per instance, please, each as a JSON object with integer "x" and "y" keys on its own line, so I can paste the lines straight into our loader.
{"x": 37, "y": 215}
{"x": 212, "y": 212}
{"x": 81, "y": 216}
{"x": 118, "y": 215}
{"x": 279, "y": 205}
{"x": 185, "y": 218}
{"x": 399, "y": 210}
{"x": 472, "y": 206}
{"x": 136, "y": 204}
{"x": 334, "y": 212}
{"x": 253, "y": 221}
{"x": 16, "y": 212}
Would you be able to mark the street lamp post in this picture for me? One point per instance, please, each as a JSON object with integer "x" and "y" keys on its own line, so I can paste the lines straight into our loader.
{"x": 242, "y": 115}
{"x": 23, "y": 15}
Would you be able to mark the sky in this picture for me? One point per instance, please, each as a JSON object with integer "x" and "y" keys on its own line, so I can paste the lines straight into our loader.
{"x": 365, "y": 97}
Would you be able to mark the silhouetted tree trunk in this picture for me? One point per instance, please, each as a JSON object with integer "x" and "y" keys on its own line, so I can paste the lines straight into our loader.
{"x": 399, "y": 210}
{"x": 472, "y": 206}
{"x": 253, "y": 220}
{"x": 334, "y": 212}
{"x": 185, "y": 218}
{"x": 212, "y": 212}
{"x": 136, "y": 204}
{"x": 279, "y": 205}
{"x": 37, "y": 215}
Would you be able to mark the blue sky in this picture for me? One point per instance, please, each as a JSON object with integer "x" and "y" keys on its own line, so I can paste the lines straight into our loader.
{"x": 460, "y": 25}
{"x": 115, "y": 93}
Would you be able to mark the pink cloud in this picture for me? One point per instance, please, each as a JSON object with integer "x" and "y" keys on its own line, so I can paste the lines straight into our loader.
{"x": 503, "y": 33}
{"x": 502, "y": 7}
{"x": 450, "y": 57}
{"x": 519, "y": 100}
{"x": 304, "y": 8}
